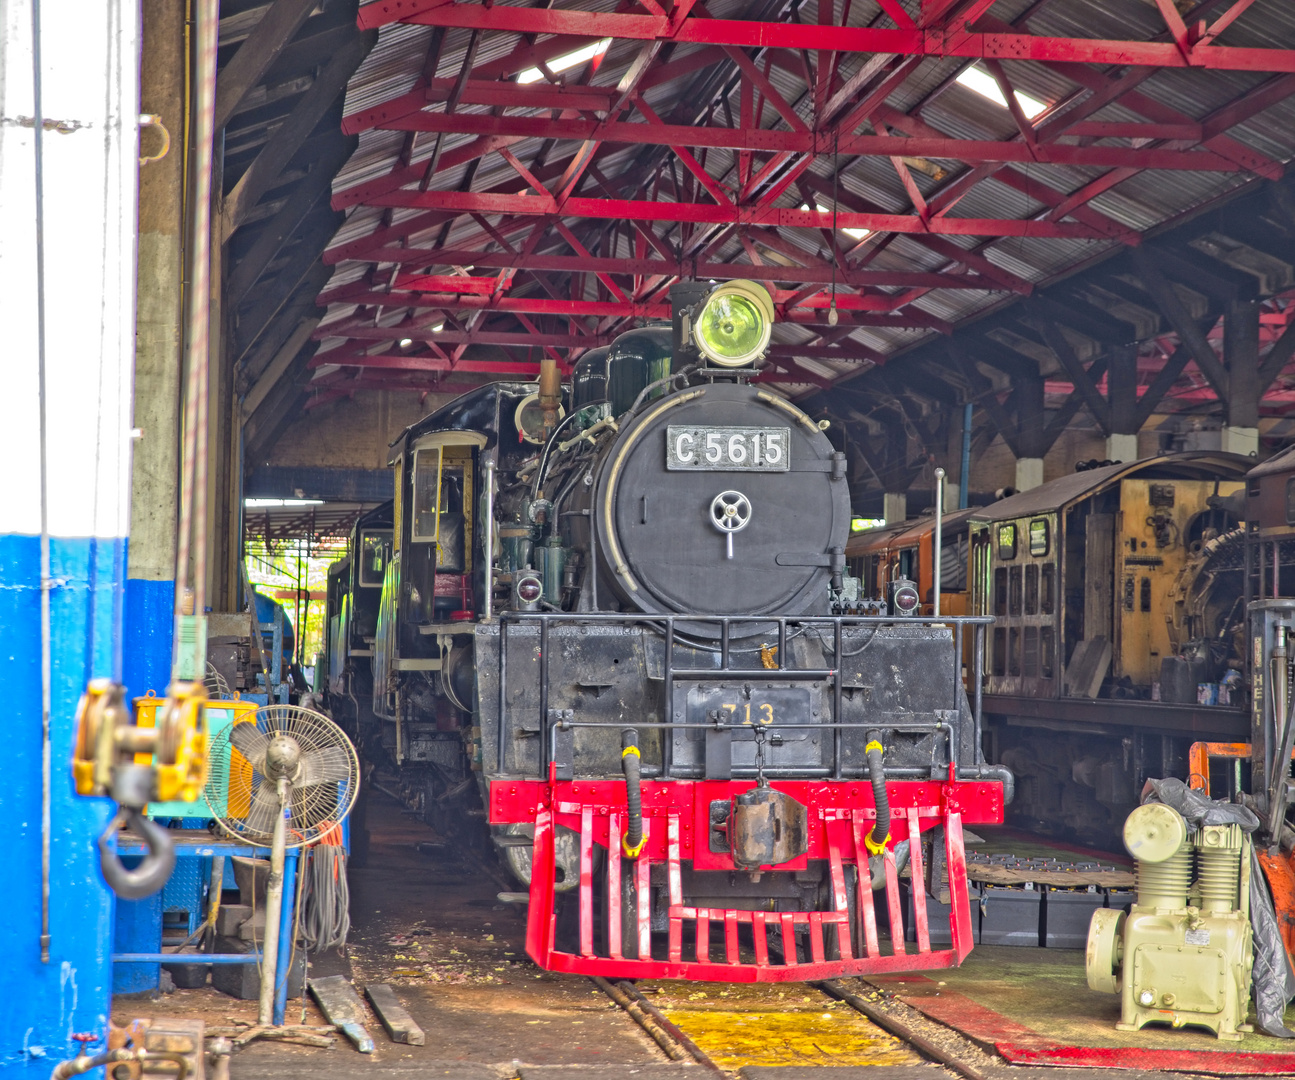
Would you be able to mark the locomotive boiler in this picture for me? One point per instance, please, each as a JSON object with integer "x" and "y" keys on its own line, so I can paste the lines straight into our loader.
{"x": 625, "y": 603}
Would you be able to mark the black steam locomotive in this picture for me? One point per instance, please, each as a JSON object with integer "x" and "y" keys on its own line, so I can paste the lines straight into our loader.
{"x": 619, "y": 612}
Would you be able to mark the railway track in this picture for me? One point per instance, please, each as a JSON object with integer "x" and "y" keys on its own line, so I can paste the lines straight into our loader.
{"x": 724, "y": 1027}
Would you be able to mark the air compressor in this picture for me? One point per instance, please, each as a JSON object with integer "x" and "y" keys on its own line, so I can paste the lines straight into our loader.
{"x": 1184, "y": 951}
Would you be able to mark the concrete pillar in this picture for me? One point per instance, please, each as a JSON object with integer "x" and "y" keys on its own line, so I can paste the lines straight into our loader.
{"x": 1241, "y": 354}
{"x": 154, "y": 498}
{"x": 1121, "y": 447}
{"x": 63, "y": 543}
{"x": 1122, "y": 393}
{"x": 1031, "y": 443}
{"x": 1029, "y": 473}
{"x": 894, "y": 506}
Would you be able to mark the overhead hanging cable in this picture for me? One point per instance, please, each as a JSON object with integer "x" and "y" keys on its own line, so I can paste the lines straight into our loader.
{"x": 832, "y": 316}
{"x": 188, "y": 646}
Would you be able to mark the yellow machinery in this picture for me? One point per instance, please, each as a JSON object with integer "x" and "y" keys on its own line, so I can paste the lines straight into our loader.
{"x": 1183, "y": 953}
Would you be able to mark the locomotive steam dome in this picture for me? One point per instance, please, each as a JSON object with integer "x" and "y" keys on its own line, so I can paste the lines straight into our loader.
{"x": 723, "y": 499}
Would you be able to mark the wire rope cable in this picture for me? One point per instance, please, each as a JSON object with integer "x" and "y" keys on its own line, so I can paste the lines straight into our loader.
{"x": 46, "y": 583}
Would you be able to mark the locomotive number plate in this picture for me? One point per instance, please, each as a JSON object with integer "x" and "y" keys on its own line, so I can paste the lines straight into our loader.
{"x": 727, "y": 449}
{"x": 772, "y": 707}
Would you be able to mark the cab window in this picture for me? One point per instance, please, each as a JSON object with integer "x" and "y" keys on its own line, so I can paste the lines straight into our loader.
{"x": 375, "y": 547}
{"x": 437, "y": 490}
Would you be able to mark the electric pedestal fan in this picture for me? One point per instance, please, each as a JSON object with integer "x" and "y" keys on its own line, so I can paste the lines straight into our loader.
{"x": 285, "y": 778}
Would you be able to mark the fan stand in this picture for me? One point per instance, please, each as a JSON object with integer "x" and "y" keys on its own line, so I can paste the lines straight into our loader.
{"x": 273, "y": 910}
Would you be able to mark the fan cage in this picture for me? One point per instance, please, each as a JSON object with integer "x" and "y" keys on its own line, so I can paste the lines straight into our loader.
{"x": 216, "y": 684}
{"x": 314, "y": 811}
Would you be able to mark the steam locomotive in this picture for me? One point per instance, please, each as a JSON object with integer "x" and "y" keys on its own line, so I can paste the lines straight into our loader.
{"x": 619, "y": 612}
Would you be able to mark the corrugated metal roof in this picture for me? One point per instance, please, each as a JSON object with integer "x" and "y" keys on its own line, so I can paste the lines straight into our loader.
{"x": 1142, "y": 201}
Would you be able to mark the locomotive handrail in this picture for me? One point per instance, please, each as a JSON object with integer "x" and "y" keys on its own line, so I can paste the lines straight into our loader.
{"x": 666, "y": 624}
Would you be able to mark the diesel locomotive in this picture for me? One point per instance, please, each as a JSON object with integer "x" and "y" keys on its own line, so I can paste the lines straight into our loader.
{"x": 618, "y": 611}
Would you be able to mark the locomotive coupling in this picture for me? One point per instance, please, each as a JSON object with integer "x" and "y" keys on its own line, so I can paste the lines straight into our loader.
{"x": 767, "y": 828}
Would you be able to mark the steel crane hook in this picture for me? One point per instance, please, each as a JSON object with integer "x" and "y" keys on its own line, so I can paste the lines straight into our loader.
{"x": 155, "y": 868}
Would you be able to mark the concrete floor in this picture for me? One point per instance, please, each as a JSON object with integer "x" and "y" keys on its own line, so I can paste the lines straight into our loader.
{"x": 427, "y": 921}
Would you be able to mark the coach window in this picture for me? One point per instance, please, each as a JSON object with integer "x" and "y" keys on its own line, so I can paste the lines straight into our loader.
{"x": 1007, "y": 542}
{"x": 1047, "y": 588}
{"x": 1000, "y": 590}
{"x": 1032, "y": 589}
{"x": 1039, "y": 537}
{"x": 1290, "y": 501}
{"x": 1014, "y": 591}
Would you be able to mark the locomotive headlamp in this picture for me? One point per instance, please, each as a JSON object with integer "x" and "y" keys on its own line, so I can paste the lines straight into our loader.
{"x": 904, "y": 598}
{"x": 529, "y": 589}
{"x": 733, "y": 326}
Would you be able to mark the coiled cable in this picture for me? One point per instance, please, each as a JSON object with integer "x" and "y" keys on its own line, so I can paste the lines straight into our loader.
{"x": 326, "y": 920}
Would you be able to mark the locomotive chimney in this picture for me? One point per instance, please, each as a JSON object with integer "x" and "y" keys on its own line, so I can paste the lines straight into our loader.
{"x": 550, "y": 393}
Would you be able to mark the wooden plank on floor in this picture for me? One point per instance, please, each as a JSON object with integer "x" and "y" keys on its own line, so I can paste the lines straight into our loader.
{"x": 342, "y": 1007}
{"x": 395, "y": 1018}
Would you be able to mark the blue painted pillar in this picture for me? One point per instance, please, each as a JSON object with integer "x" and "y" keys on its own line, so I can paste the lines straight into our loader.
{"x": 67, "y": 289}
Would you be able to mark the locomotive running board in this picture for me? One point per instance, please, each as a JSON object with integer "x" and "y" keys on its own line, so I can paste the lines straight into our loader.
{"x": 841, "y": 813}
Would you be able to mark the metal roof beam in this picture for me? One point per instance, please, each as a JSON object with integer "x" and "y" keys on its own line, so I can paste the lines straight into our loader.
{"x": 771, "y": 272}
{"x": 933, "y": 40}
{"x": 462, "y": 202}
{"x": 287, "y": 140}
{"x": 1171, "y": 306}
{"x": 255, "y": 55}
{"x": 821, "y": 143}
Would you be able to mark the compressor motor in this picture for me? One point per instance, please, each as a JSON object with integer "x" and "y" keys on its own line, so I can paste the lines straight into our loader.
{"x": 1183, "y": 953}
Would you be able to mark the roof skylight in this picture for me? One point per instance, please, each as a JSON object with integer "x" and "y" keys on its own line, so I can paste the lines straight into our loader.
{"x": 984, "y": 84}
{"x": 565, "y": 62}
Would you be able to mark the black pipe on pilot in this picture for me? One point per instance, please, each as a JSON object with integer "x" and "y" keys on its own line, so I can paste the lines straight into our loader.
{"x": 631, "y": 763}
{"x": 877, "y": 773}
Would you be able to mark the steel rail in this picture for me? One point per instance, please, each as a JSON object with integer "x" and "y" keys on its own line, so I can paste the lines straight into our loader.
{"x": 666, "y": 1034}
{"x": 901, "y": 1030}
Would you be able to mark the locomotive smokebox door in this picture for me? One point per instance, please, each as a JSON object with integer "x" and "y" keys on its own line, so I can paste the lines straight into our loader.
{"x": 767, "y": 828}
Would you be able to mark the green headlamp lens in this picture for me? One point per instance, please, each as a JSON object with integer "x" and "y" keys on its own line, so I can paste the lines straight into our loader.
{"x": 730, "y": 328}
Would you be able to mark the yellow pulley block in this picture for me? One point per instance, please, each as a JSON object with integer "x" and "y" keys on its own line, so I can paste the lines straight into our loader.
{"x": 109, "y": 737}
{"x": 181, "y": 755}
